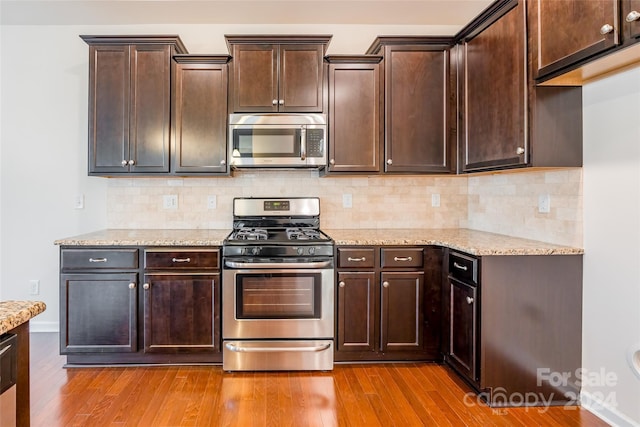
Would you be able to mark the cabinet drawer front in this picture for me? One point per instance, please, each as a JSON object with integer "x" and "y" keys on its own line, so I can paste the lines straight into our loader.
{"x": 182, "y": 259}
{"x": 356, "y": 257}
{"x": 463, "y": 267}
{"x": 94, "y": 259}
{"x": 402, "y": 257}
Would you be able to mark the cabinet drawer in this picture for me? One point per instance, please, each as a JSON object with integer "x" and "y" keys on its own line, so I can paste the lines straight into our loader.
{"x": 173, "y": 259}
{"x": 401, "y": 257}
{"x": 356, "y": 257}
{"x": 95, "y": 259}
{"x": 463, "y": 267}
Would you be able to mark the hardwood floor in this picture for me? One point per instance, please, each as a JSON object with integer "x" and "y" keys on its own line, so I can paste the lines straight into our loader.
{"x": 352, "y": 395}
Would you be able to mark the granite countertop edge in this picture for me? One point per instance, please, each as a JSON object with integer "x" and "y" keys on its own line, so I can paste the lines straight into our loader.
{"x": 15, "y": 313}
{"x": 474, "y": 242}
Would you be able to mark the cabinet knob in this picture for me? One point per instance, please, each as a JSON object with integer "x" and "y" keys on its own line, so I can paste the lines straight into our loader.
{"x": 389, "y": 161}
{"x": 146, "y": 286}
{"x": 132, "y": 285}
{"x": 223, "y": 162}
{"x": 520, "y": 150}
{"x": 274, "y": 102}
{"x": 469, "y": 300}
{"x": 606, "y": 29}
{"x": 385, "y": 284}
{"x": 131, "y": 162}
{"x": 124, "y": 163}
{"x": 342, "y": 284}
{"x": 634, "y": 15}
{"x": 281, "y": 102}
{"x": 332, "y": 162}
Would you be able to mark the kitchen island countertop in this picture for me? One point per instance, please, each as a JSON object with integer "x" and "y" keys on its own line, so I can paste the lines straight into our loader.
{"x": 15, "y": 313}
{"x": 474, "y": 242}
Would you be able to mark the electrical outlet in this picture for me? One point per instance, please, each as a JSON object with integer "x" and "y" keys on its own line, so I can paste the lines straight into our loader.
{"x": 544, "y": 203}
{"x": 435, "y": 200}
{"x": 170, "y": 201}
{"x": 34, "y": 287}
{"x": 212, "y": 202}
{"x": 347, "y": 201}
{"x": 79, "y": 201}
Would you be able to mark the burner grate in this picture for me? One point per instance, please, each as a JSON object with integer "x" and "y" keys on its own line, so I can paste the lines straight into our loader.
{"x": 251, "y": 234}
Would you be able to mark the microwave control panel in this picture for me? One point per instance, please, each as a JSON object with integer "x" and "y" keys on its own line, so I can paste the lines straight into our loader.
{"x": 315, "y": 142}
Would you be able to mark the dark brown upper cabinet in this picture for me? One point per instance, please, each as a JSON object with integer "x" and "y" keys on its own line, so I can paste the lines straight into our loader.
{"x": 506, "y": 121}
{"x": 200, "y": 115}
{"x": 417, "y": 89}
{"x": 130, "y": 103}
{"x": 631, "y": 19}
{"x": 277, "y": 73}
{"x": 354, "y": 113}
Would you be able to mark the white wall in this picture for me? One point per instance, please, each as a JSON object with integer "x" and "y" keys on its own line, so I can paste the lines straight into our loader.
{"x": 611, "y": 310}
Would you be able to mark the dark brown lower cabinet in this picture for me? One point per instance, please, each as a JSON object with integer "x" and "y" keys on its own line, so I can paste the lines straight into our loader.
{"x": 463, "y": 328}
{"x": 388, "y": 303}
{"x": 100, "y": 313}
{"x": 181, "y": 313}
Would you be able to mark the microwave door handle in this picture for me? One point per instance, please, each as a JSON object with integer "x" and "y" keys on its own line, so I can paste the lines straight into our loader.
{"x": 303, "y": 143}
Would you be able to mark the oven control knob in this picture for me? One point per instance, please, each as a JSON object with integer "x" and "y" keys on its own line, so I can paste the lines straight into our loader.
{"x": 312, "y": 250}
{"x": 300, "y": 251}
{"x": 255, "y": 250}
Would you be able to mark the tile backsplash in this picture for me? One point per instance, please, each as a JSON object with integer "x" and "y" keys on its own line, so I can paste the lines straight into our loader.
{"x": 502, "y": 203}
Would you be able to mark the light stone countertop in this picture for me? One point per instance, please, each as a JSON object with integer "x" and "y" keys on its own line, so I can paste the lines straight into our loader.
{"x": 470, "y": 241}
{"x": 15, "y": 313}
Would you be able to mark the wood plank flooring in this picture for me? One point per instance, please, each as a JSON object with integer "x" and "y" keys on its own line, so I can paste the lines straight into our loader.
{"x": 352, "y": 395}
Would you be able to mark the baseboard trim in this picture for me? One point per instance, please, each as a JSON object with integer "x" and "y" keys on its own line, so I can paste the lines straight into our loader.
{"x": 605, "y": 411}
{"x": 35, "y": 326}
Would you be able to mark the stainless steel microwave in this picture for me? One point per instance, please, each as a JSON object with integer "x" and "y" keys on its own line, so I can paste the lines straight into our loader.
{"x": 278, "y": 140}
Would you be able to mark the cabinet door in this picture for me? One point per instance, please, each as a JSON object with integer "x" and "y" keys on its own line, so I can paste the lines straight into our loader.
{"x": 181, "y": 313}
{"x": 108, "y": 109}
{"x": 402, "y": 316}
{"x": 98, "y": 313}
{"x": 356, "y": 311}
{"x": 201, "y": 118}
{"x": 631, "y": 17}
{"x": 255, "y": 78}
{"x": 354, "y": 118}
{"x": 300, "y": 84}
{"x": 463, "y": 328}
{"x": 495, "y": 88}
{"x": 571, "y": 30}
{"x": 150, "y": 108}
{"x": 416, "y": 112}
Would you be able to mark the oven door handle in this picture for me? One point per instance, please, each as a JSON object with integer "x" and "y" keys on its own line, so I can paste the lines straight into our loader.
{"x": 311, "y": 349}
{"x": 241, "y": 264}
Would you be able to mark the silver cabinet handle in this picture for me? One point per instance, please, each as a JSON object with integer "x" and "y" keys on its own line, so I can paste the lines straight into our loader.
{"x": 146, "y": 286}
{"x": 356, "y": 259}
{"x": 332, "y": 162}
{"x": 520, "y": 150}
{"x": 97, "y": 260}
{"x": 634, "y": 15}
{"x": 223, "y": 162}
{"x": 461, "y": 267}
{"x": 281, "y": 102}
{"x": 4, "y": 350}
{"x": 389, "y": 161}
{"x": 124, "y": 163}
{"x": 469, "y": 300}
{"x": 132, "y": 285}
{"x": 402, "y": 258}
{"x": 606, "y": 29}
{"x": 181, "y": 260}
{"x": 385, "y": 284}
{"x": 342, "y": 284}
{"x": 131, "y": 162}
{"x": 274, "y": 102}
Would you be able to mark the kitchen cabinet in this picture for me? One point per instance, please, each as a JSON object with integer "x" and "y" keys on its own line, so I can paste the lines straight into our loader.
{"x": 506, "y": 121}
{"x": 354, "y": 113}
{"x": 631, "y": 20}
{"x": 388, "y": 303}
{"x": 418, "y": 115}
{"x": 277, "y": 73}
{"x": 181, "y": 299}
{"x": 98, "y": 300}
{"x": 130, "y": 103}
{"x": 200, "y": 115}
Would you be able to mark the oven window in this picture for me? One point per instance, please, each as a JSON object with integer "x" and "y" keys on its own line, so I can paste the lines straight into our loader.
{"x": 266, "y": 142}
{"x": 278, "y": 296}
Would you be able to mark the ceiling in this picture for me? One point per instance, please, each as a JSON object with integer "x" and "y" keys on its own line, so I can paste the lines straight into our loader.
{"x": 454, "y": 13}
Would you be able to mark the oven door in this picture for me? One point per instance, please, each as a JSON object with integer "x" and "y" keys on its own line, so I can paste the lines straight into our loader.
{"x": 277, "y": 303}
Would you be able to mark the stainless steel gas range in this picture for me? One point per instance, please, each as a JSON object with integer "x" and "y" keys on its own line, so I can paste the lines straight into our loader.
{"x": 277, "y": 287}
